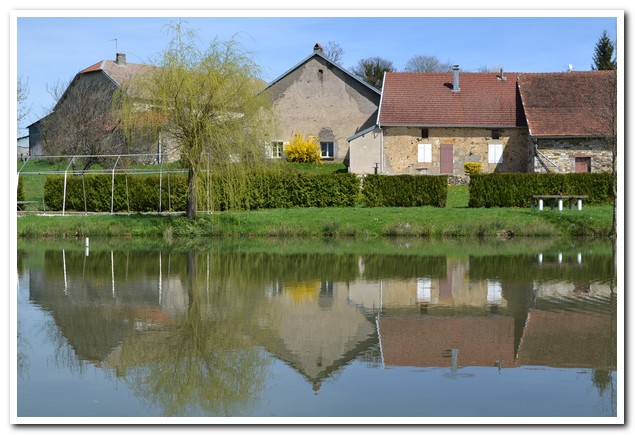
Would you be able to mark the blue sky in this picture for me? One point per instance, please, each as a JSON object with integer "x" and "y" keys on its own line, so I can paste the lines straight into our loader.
{"x": 52, "y": 48}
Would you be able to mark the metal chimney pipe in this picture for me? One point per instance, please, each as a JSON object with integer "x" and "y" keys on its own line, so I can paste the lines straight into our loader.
{"x": 455, "y": 72}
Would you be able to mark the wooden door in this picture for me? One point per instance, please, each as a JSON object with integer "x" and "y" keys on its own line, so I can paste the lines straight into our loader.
{"x": 583, "y": 164}
{"x": 447, "y": 158}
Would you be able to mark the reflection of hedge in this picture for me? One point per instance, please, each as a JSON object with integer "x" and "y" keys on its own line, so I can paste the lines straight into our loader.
{"x": 141, "y": 193}
{"x": 405, "y": 190}
{"x": 510, "y": 190}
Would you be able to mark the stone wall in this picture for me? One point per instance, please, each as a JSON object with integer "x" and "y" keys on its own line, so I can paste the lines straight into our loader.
{"x": 320, "y": 99}
{"x": 469, "y": 145}
{"x": 558, "y": 155}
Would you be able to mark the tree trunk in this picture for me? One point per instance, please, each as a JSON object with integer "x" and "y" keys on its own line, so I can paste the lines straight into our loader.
{"x": 191, "y": 193}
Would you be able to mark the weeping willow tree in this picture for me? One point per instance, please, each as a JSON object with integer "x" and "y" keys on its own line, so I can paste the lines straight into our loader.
{"x": 210, "y": 105}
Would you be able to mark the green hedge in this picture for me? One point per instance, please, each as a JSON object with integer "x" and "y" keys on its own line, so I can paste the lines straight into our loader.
{"x": 131, "y": 193}
{"x": 510, "y": 190}
{"x": 259, "y": 191}
{"x": 405, "y": 190}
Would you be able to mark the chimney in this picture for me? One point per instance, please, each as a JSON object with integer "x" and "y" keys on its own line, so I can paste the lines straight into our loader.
{"x": 318, "y": 48}
{"x": 121, "y": 58}
{"x": 455, "y": 72}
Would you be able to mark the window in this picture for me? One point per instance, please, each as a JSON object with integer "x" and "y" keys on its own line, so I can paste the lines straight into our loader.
{"x": 275, "y": 149}
{"x": 424, "y": 289}
{"x": 495, "y": 154}
{"x": 425, "y": 133}
{"x": 326, "y": 149}
{"x": 494, "y": 292}
{"x": 424, "y": 153}
{"x": 496, "y": 134}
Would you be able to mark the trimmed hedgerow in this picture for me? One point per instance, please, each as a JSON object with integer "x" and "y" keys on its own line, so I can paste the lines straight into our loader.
{"x": 511, "y": 190}
{"x": 405, "y": 190}
{"x": 94, "y": 192}
{"x": 141, "y": 193}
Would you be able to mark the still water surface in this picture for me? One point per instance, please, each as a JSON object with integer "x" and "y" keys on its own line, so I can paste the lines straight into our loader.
{"x": 328, "y": 329}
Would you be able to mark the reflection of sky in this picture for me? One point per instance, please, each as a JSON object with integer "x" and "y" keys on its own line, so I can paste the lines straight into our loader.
{"x": 407, "y": 391}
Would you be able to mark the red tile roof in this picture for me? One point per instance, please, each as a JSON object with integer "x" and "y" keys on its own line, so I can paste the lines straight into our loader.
{"x": 120, "y": 73}
{"x": 427, "y": 99}
{"x": 568, "y": 104}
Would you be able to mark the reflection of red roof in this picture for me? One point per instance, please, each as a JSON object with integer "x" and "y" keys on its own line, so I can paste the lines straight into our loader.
{"x": 568, "y": 104}
{"x": 153, "y": 315}
{"x": 568, "y": 339}
{"x": 427, "y": 99}
{"x": 426, "y": 341}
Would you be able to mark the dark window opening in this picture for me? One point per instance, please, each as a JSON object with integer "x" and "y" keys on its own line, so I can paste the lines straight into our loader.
{"x": 424, "y": 133}
{"x": 326, "y": 150}
{"x": 496, "y": 134}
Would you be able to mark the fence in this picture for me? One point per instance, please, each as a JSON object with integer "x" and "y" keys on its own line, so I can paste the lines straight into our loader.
{"x": 35, "y": 169}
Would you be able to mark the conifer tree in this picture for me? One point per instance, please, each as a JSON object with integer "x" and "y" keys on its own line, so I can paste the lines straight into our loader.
{"x": 603, "y": 58}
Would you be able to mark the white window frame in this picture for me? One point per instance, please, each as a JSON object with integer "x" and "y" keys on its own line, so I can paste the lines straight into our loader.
{"x": 325, "y": 144}
{"x": 275, "y": 149}
{"x": 495, "y": 153}
{"x": 424, "y": 153}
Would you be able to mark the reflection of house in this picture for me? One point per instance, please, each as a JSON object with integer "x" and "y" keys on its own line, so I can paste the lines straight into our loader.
{"x": 426, "y": 341}
{"x": 313, "y": 328}
{"x": 568, "y": 327}
{"x": 320, "y": 98}
{"x": 453, "y": 289}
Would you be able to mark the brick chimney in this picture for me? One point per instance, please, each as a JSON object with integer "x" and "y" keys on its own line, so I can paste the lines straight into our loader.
{"x": 121, "y": 58}
{"x": 455, "y": 72}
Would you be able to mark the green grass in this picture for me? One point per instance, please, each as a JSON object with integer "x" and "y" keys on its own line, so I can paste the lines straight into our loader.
{"x": 427, "y": 222}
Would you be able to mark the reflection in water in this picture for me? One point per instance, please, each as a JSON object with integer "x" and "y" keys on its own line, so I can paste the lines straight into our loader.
{"x": 196, "y": 332}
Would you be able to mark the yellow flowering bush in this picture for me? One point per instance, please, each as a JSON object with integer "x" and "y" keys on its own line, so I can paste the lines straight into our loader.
{"x": 303, "y": 149}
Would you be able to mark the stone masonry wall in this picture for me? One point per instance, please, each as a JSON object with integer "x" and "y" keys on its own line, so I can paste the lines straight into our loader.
{"x": 558, "y": 155}
{"x": 469, "y": 145}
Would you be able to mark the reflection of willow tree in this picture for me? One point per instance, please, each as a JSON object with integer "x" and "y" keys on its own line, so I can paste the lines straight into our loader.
{"x": 207, "y": 360}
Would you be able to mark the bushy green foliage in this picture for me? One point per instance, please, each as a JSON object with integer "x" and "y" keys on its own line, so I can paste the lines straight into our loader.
{"x": 303, "y": 149}
{"x": 265, "y": 189}
{"x": 472, "y": 168}
{"x": 20, "y": 193}
{"x": 277, "y": 189}
{"x": 511, "y": 190}
{"x": 131, "y": 193}
{"x": 405, "y": 190}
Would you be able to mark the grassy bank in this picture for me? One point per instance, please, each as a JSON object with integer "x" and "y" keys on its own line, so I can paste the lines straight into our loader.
{"x": 593, "y": 221}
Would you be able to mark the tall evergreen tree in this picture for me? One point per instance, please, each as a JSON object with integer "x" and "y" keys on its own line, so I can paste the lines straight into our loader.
{"x": 603, "y": 58}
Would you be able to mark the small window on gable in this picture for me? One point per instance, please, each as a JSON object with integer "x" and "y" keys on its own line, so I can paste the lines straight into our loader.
{"x": 326, "y": 150}
{"x": 496, "y": 134}
{"x": 495, "y": 153}
{"x": 424, "y": 153}
{"x": 425, "y": 133}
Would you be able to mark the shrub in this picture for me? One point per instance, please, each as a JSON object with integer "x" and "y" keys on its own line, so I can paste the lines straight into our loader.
{"x": 472, "y": 168}
{"x": 303, "y": 149}
{"x": 20, "y": 193}
{"x": 510, "y": 190}
{"x": 405, "y": 190}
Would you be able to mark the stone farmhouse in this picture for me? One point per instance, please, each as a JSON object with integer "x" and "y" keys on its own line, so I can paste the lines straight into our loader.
{"x": 320, "y": 98}
{"x": 571, "y": 119}
{"x": 94, "y": 87}
{"x": 422, "y": 123}
{"x": 434, "y": 123}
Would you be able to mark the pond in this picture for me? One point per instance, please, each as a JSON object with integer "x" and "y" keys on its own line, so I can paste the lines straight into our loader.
{"x": 402, "y": 331}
